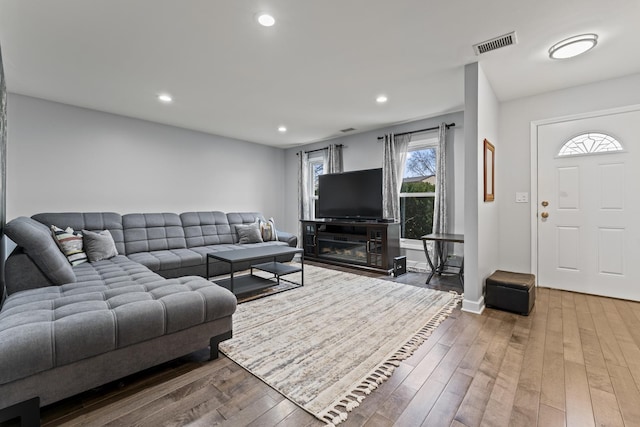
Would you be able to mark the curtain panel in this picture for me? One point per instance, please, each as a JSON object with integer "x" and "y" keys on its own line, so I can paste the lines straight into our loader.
{"x": 440, "y": 204}
{"x": 393, "y": 160}
{"x": 303, "y": 191}
{"x": 333, "y": 159}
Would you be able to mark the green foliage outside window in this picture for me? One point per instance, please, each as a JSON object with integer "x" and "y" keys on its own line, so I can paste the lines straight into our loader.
{"x": 417, "y": 187}
{"x": 416, "y": 212}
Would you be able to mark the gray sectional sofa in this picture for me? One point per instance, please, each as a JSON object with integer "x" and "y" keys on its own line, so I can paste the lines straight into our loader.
{"x": 65, "y": 329}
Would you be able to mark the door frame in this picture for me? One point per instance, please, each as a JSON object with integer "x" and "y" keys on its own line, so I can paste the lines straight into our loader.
{"x": 534, "y": 166}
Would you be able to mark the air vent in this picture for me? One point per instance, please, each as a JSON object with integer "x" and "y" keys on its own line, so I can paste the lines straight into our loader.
{"x": 347, "y": 130}
{"x": 495, "y": 43}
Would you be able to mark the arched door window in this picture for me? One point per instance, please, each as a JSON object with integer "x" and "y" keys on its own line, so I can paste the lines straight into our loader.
{"x": 590, "y": 143}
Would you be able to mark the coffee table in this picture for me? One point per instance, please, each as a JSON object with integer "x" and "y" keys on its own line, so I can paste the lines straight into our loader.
{"x": 249, "y": 282}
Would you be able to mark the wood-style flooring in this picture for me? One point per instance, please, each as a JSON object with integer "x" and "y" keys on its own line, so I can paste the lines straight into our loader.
{"x": 574, "y": 361}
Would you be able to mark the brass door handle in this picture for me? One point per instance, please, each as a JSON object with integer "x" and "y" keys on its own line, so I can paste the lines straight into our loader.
{"x": 544, "y": 214}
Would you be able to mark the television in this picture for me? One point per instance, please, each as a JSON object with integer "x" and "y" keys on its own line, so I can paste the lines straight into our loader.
{"x": 351, "y": 195}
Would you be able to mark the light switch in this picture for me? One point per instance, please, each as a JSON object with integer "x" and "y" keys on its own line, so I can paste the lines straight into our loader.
{"x": 522, "y": 197}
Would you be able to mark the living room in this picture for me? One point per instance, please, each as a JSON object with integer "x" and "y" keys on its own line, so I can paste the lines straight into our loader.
{"x": 66, "y": 154}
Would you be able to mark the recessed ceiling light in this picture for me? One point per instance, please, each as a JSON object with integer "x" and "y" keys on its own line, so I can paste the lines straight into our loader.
{"x": 266, "y": 20}
{"x": 282, "y": 129}
{"x": 165, "y": 97}
{"x": 381, "y": 99}
{"x": 573, "y": 46}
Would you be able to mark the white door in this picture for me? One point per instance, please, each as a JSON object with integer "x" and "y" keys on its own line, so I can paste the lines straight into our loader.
{"x": 590, "y": 239}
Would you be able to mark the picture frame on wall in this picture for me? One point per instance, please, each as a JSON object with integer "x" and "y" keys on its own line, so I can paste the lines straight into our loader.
{"x": 489, "y": 171}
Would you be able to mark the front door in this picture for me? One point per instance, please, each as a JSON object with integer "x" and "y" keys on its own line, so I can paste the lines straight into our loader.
{"x": 589, "y": 205}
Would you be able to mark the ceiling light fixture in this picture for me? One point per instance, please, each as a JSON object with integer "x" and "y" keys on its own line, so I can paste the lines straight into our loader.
{"x": 282, "y": 129}
{"x": 573, "y": 46}
{"x": 164, "y": 97}
{"x": 381, "y": 99}
{"x": 266, "y": 20}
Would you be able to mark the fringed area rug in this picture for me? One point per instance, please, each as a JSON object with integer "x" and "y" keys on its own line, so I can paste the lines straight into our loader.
{"x": 327, "y": 345}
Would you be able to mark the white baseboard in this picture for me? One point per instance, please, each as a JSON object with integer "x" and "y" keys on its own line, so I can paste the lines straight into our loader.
{"x": 475, "y": 307}
{"x": 420, "y": 267}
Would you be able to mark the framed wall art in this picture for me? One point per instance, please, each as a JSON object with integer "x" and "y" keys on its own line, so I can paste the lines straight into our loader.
{"x": 489, "y": 171}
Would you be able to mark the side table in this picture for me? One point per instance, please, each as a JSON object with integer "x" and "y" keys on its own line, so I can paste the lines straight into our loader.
{"x": 441, "y": 266}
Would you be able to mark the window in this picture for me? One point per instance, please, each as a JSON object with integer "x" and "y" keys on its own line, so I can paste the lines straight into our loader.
{"x": 417, "y": 194}
{"x": 316, "y": 168}
{"x": 590, "y": 143}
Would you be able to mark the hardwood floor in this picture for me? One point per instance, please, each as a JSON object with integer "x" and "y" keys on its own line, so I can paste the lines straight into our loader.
{"x": 575, "y": 361}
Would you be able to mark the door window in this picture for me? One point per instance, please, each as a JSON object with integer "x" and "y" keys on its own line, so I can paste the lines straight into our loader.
{"x": 590, "y": 143}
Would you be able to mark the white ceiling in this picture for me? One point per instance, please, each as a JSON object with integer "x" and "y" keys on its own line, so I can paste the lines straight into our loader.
{"x": 318, "y": 70}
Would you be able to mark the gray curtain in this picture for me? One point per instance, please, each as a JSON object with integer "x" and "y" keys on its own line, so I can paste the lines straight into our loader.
{"x": 333, "y": 159}
{"x": 303, "y": 191}
{"x": 303, "y": 185}
{"x": 440, "y": 204}
{"x": 393, "y": 159}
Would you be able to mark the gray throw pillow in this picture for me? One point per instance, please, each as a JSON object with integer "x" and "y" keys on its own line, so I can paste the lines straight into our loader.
{"x": 99, "y": 246}
{"x": 36, "y": 240}
{"x": 249, "y": 233}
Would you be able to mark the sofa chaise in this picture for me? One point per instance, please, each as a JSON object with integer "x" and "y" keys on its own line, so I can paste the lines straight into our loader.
{"x": 65, "y": 329}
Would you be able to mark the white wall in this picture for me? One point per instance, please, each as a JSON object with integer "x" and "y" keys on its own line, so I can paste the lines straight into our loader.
{"x": 481, "y": 219}
{"x": 364, "y": 151}
{"x": 514, "y": 167}
{"x": 64, "y": 158}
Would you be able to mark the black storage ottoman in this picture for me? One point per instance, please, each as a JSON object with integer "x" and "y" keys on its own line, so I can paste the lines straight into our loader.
{"x": 515, "y": 292}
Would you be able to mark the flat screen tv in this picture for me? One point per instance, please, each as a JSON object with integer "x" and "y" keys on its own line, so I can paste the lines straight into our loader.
{"x": 351, "y": 195}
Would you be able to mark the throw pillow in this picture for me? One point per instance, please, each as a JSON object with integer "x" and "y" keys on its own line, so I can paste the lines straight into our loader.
{"x": 249, "y": 233}
{"x": 99, "y": 246}
{"x": 268, "y": 230}
{"x": 70, "y": 243}
{"x": 36, "y": 240}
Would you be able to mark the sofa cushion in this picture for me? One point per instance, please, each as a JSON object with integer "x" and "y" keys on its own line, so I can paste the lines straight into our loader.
{"x": 70, "y": 243}
{"x": 152, "y": 232}
{"x": 39, "y": 244}
{"x": 206, "y": 228}
{"x": 236, "y": 218}
{"x": 268, "y": 230}
{"x": 167, "y": 259}
{"x": 99, "y": 245}
{"x": 248, "y": 233}
{"x": 93, "y": 221}
{"x": 117, "y": 303}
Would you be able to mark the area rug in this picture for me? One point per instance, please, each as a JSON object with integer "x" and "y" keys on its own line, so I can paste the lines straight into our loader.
{"x": 329, "y": 344}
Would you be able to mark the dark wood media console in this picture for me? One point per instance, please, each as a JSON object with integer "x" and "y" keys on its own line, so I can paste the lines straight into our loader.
{"x": 369, "y": 245}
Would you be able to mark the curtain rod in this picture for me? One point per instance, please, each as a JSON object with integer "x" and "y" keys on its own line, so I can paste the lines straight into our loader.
{"x": 320, "y": 149}
{"x": 420, "y": 130}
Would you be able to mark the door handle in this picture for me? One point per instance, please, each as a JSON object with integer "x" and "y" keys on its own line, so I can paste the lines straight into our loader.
{"x": 544, "y": 215}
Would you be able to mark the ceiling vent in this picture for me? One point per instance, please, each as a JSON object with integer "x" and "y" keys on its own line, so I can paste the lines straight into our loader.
{"x": 347, "y": 130}
{"x": 495, "y": 43}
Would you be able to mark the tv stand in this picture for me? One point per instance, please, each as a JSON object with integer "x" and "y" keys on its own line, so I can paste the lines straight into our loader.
{"x": 369, "y": 245}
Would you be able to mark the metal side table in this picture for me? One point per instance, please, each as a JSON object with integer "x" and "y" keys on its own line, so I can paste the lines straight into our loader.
{"x": 441, "y": 266}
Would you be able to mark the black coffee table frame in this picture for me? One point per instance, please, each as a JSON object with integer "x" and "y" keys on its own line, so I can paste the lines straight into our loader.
{"x": 248, "y": 283}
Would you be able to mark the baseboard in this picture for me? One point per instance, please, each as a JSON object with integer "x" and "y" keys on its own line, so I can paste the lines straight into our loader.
{"x": 475, "y": 307}
{"x": 420, "y": 267}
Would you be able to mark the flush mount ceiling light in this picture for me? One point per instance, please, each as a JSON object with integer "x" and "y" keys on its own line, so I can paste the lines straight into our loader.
{"x": 282, "y": 129}
{"x": 381, "y": 99}
{"x": 165, "y": 97}
{"x": 573, "y": 46}
{"x": 266, "y": 20}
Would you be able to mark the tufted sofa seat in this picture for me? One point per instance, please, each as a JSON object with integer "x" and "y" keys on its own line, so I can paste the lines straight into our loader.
{"x": 114, "y": 304}
{"x": 65, "y": 329}
{"x": 169, "y": 244}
